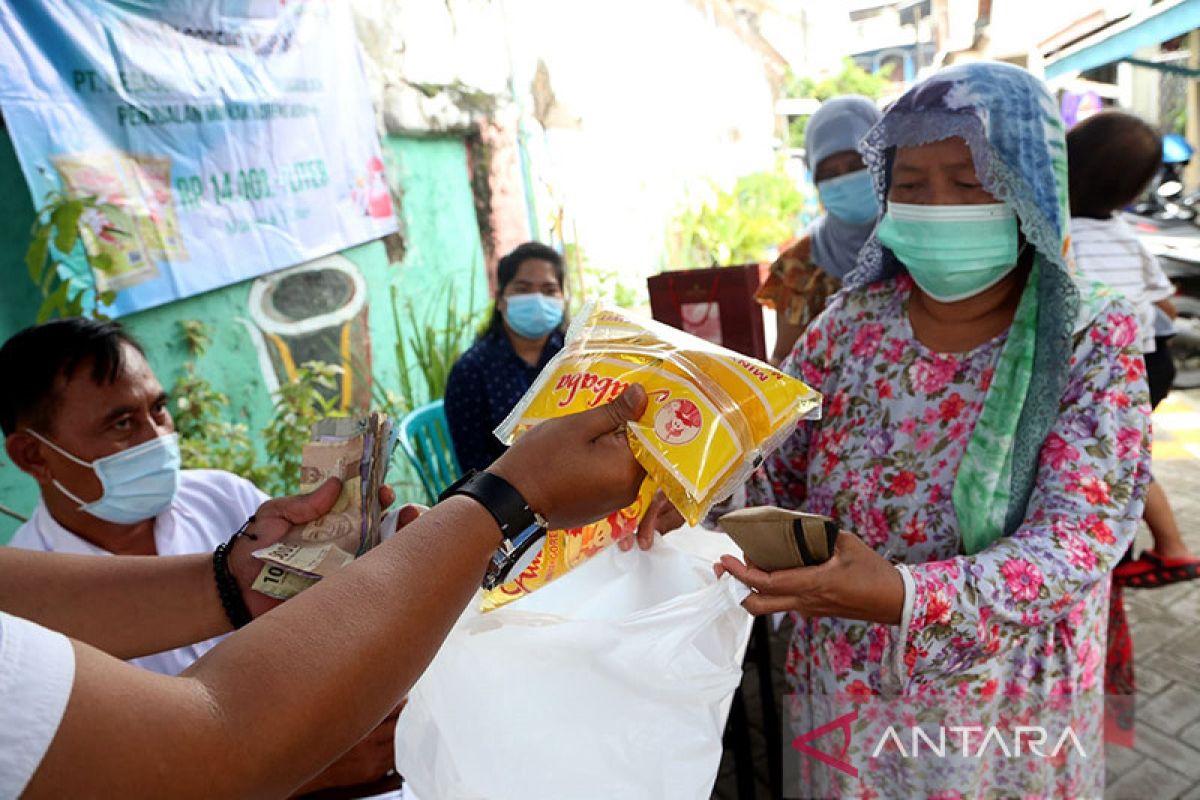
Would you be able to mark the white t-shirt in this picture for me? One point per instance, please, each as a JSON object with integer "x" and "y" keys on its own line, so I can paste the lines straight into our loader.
{"x": 37, "y": 669}
{"x": 209, "y": 506}
{"x": 1109, "y": 251}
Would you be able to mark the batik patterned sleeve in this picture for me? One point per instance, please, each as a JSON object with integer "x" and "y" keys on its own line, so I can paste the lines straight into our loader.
{"x": 1081, "y": 518}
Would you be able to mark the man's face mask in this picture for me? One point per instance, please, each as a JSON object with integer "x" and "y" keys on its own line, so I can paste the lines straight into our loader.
{"x": 139, "y": 483}
{"x": 952, "y": 252}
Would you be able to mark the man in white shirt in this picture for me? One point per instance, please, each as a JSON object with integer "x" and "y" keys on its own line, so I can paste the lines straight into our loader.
{"x": 89, "y": 421}
{"x": 208, "y": 507}
{"x": 267, "y": 707}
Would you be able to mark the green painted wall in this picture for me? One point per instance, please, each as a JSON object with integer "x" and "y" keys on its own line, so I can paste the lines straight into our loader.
{"x": 19, "y": 300}
{"x": 439, "y": 223}
{"x": 443, "y": 247}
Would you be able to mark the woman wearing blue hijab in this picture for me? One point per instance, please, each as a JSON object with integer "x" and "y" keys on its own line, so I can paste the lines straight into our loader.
{"x": 984, "y": 449}
{"x": 811, "y": 270}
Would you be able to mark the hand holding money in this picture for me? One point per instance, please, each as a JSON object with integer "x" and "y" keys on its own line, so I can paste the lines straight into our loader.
{"x": 274, "y": 519}
{"x": 356, "y": 452}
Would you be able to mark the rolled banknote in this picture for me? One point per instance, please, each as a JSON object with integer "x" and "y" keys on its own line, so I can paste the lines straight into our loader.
{"x": 279, "y": 583}
{"x": 357, "y": 452}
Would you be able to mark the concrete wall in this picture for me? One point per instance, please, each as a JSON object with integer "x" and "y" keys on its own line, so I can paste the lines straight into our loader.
{"x": 442, "y": 239}
{"x": 19, "y": 300}
{"x": 437, "y": 219}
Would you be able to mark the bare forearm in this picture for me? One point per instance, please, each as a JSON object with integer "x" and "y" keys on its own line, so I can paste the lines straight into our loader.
{"x": 283, "y": 697}
{"x": 1168, "y": 308}
{"x": 127, "y": 606}
{"x": 277, "y": 701}
{"x": 354, "y": 651}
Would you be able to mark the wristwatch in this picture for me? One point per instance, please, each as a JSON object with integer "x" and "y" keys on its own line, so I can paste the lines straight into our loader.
{"x": 520, "y": 525}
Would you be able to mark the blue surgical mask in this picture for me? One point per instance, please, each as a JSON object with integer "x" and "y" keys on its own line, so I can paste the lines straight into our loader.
{"x": 850, "y": 197}
{"x": 952, "y": 252}
{"x": 139, "y": 483}
{"x": 533, "y": 315}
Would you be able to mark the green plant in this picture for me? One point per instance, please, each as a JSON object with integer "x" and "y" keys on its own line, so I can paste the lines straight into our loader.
{"x": 427, "y": 346}
{"x": 739, "y": 226}
{"x": 587, "y": 282}
{"x": 210, "y": 440}
{"x": 1175, "y": 120}
{"x": 207, "y": 439}
{"x": 611, "y": 287}
{"x": 579, "y": 276}
{"x": 58, "y": 223}
{"x": 853, "y": 79}
{"x": 299, "y": 404}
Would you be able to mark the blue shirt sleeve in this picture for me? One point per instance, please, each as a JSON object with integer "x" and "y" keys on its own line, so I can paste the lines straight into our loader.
{"x": 467, "y": 417}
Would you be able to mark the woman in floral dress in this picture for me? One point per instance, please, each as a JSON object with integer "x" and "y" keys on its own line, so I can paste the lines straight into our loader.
{"x": 984, "y": 448}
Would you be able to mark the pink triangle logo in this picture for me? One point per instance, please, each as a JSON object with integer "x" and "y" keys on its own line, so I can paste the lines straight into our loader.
{"x": 801, "y": 744}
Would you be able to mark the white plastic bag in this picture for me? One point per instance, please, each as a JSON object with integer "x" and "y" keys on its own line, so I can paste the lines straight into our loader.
{"x": 613, "y": 682}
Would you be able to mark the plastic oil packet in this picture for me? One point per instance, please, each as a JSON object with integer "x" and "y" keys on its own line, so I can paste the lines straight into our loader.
{"x": 713, "y": 414}
{"x": 561, "y": 551}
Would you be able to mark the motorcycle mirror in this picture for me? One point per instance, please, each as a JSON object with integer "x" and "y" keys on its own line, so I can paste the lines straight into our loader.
{"x": 1170, "y": 188}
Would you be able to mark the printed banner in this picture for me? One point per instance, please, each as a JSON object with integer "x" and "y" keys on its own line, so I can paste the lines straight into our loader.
{"x": 228, "y": 138}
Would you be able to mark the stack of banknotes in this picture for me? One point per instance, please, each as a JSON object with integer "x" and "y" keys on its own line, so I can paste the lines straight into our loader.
{"x": 357, "y": 451}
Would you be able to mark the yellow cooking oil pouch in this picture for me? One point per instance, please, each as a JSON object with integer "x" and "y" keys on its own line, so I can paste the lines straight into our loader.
{"x": 562, "y": 550}
{"x": 713, "y": 415}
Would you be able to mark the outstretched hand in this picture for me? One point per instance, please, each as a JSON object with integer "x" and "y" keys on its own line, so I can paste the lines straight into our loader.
{"x": 576, "y": 469}
{"x": 272, "y": 521}
{"x": 856, "y": 583}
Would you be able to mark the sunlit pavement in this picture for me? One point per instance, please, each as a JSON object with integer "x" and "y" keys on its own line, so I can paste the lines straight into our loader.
{"x": 1165, "y": 762}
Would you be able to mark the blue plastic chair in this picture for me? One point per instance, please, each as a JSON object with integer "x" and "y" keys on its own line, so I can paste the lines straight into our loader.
{"x": 425, "y": 439}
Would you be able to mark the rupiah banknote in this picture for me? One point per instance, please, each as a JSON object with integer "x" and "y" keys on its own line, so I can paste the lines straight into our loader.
{"x": 356, "y": 451}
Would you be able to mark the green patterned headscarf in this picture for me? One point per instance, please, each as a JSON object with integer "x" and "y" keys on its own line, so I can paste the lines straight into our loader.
{"x": 1011, "y": 124}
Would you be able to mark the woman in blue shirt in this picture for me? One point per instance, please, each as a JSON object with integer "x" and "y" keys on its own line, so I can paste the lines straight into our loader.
{"x": 525, "y": 332}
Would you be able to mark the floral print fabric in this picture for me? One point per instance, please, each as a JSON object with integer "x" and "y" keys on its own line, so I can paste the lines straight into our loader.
{"x": 1009, "y": 119}
{"x": 795, "y": 286}
{"x": 1021, "y": 621}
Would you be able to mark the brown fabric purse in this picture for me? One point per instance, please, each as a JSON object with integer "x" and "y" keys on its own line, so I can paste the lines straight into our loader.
{"x": 774, "y": 538}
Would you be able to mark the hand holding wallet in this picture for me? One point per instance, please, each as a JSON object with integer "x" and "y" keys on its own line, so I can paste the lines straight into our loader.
{"x": 774, "y": 538}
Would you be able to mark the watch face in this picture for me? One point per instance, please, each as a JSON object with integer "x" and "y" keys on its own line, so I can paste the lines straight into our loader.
{"x": 526, "y": 556}
{"x": 513, "y": 560}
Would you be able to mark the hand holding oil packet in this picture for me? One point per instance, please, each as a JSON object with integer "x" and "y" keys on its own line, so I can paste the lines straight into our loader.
{"x": 713, "y": 416}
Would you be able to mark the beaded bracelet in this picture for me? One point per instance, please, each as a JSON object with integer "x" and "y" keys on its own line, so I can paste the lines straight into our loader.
{"x": 227, "y": 587}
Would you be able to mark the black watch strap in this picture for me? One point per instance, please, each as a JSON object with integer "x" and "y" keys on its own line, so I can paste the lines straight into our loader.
{"x": 498, "y": 496}
{"x": 520, "y": 525}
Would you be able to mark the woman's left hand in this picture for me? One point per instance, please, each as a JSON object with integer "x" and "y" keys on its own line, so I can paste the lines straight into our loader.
{"x": 856, "y": 583}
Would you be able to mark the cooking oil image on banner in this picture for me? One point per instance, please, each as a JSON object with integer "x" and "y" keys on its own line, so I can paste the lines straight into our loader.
{"x": 135, "y": 224}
